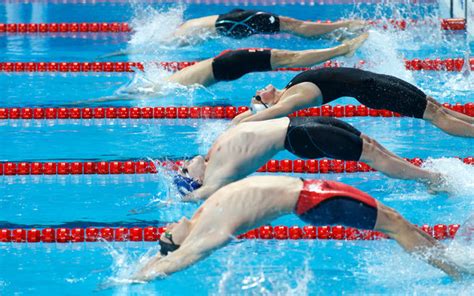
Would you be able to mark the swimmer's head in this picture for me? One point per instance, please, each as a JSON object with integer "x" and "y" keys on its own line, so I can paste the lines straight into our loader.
{"x": 190, "y": 177}
{"x": 174, "y": 236}
{"x": 256, "y": 105}
{"x": 268, "y": 95}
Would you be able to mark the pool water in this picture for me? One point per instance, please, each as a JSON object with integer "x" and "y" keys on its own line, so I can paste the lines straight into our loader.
{"x": 248, "y": 267}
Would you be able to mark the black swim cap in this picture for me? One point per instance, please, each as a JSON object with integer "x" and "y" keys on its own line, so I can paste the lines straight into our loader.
{"x": 167, "y": 247}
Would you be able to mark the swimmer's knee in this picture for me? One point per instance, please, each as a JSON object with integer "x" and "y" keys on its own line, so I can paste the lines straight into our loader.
{"x": 370, "y": 150}
{"x": 289, "y": 24}
{"x": 434, "y": 112}
{"x": 389, "y": 219}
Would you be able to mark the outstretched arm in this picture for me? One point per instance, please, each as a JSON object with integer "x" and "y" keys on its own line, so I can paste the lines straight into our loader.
{"x": 237, "y": 119}
{"x": 289, "y": 105}
{"x": 200, "y": 194}
{"x": 188, "y": 254}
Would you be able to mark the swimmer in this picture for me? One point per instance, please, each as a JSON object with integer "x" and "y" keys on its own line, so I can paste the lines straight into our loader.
{"x": 240, "y": 23}
{"x": 243, "y": 149}
{"x": 254, "y": 201}
{"x": 316, "y": 87}
{"x": 233, "y": 64}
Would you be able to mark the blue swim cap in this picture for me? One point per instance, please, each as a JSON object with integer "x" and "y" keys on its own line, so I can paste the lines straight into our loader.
{"x": 185, "y": 185}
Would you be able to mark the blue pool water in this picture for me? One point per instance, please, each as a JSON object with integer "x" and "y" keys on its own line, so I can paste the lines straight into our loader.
{"x": 249, "y": 267}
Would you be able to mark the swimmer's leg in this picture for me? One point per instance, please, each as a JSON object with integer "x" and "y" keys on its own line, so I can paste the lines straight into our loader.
{"x": 313, "y": 29}
{"x": 199, "y": 73}
{"x": 379, "y": 158}
{"x": 449, "y": 123}
{"x": 456, "y": 114}
{"x": 199, "y": 27}
{"x": 307, "y": 58}
{"x": 414, "y": 240}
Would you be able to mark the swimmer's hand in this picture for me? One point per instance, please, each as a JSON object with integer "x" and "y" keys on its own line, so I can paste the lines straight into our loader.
{"x": 201, "y": 194}
{"x": 114, "y": 283}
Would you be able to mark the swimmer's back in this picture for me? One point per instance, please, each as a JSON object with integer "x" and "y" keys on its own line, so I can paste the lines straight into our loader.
{"x": 334, "y": 82}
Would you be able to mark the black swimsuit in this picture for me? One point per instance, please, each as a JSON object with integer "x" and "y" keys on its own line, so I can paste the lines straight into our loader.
{"x": 240, "y": 23}
{"x": 374, "y": 90}
{"x": 233, "y": 64}
{"x": 316, "y": 137}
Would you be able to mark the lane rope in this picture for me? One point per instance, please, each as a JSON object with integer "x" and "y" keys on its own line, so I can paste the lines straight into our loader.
{"x": 152, "y": 233}
{"x": 132, "y": 167}
{"x": 437, "y": 64}
{"x": 227, "y": 2}
{"x": 196, "y": 112}
{"x": 117, "y": 27}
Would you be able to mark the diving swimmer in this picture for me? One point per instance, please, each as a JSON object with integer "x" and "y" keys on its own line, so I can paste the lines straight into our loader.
{"x": 243, "y": 149}
{"x": 254, "y": 201}
{"x": 233, "y": 64}
{"x": 316, "y": 87}
{"x": 240, "y": 23}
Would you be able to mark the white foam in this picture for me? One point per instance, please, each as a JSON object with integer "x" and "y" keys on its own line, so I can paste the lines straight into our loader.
{"x": 382, "y": 48}
{"x": 154, "y": 28}
{"x": 461, "y": 249}
{"x": 124, "y": 266}
{"x": 459, "y": 177}
{"x": 260, "y": 278}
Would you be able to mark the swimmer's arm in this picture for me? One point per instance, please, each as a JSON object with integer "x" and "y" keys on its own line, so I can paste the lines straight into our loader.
{"x": 301, "y": 96}
{"x": 187, "y": 255}
{"x": 200, "y": 194}
{"x": 237, "y": 119}
{"x": 281, "y": 109}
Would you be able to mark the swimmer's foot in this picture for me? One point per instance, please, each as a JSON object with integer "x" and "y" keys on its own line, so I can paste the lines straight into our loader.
{"x": 355, "y": 43}
{"x": 439, "y": 185}
{"x": 356, "y": 25}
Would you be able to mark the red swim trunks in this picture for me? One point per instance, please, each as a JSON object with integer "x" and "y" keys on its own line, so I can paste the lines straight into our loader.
{"x": 329, "y": 202}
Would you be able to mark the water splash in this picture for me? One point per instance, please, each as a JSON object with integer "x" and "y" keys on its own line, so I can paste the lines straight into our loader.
{"x": 153, "y": 83}
{"x": 124, "y": 265}
{"x": 461, "y": 249}
{"x": 392, "y": 269}
{"x": 381, "y": 47}
{"x": 208, "y": 132}
{"x": 459, "y": 177}
{"x": 261, "y": 278}
{"x": 153, "y": 28}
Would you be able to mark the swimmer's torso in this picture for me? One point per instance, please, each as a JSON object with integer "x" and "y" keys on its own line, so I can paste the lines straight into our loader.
{"x": 251, "y": 201}
{"x": 245, "y": 148}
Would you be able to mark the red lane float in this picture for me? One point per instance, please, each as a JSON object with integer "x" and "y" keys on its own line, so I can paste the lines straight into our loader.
{"x": 152, "y": 233}
{"x": 117, "y": 27}
{"x": 437, "y": 64}
{"x": 308, "y": 166}
{"x": 207, "y": 112}
{"x": 31, "y": 28}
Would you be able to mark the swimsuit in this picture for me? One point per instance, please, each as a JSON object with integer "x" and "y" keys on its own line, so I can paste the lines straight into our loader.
{"x": 330, "y": 203}
{"x": 374, "y": 90}
{"x": 316, "y": 137}
{"x": 233, "y": 64}
{"x": 240, "y": 23}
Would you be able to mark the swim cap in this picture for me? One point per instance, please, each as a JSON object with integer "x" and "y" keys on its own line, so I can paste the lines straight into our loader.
{"x": 185, "y": 185}
{"x": 255, "y": 108}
